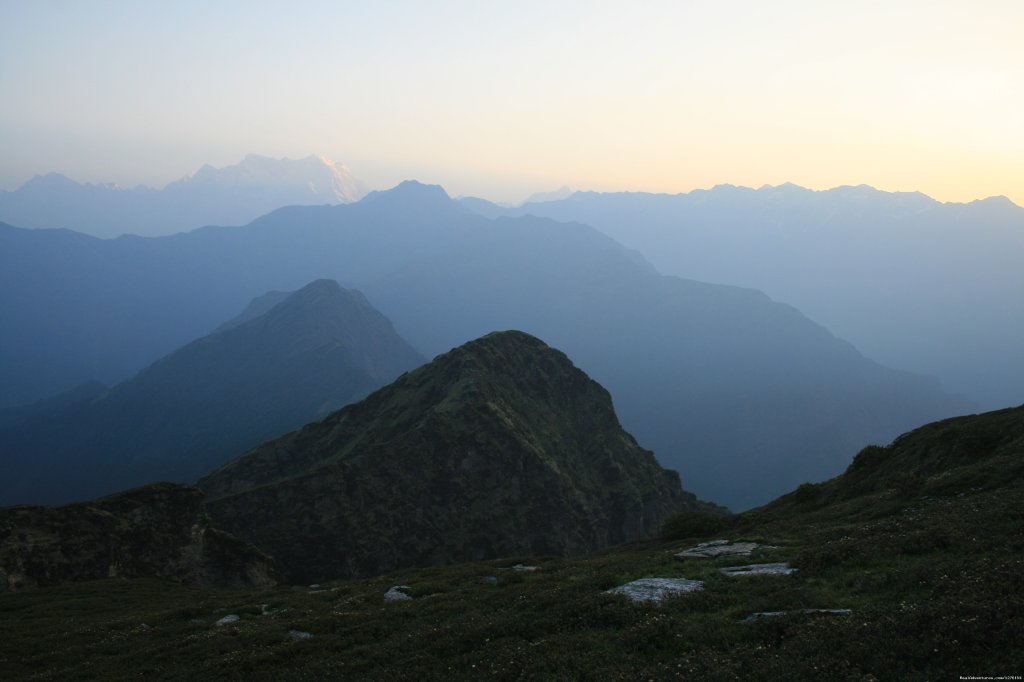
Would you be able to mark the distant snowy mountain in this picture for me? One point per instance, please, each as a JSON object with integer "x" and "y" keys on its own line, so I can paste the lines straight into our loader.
{"x": 556, "y": 195}
{"x": 233, "y": 195}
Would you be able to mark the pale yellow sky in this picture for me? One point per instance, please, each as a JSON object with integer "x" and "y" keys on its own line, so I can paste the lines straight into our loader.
{"x": 502, "y": 102}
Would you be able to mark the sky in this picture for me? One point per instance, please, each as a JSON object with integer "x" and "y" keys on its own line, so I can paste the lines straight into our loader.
{"x": 500, "y": 100}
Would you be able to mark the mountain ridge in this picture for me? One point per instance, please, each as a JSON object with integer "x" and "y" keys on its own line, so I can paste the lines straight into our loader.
{"x": 912, "y": 282}
{"x": 498, "y": 447}
{"x": 233, "y": 195}
{"x": 319, "y": 348}
{"x": 715, "y": 379}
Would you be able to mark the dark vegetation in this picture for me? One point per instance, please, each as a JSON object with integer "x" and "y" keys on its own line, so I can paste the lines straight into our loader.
{"x": 934, "y": 578}
{"x": 499, "y": 447}
{"x": 159, "y": 530}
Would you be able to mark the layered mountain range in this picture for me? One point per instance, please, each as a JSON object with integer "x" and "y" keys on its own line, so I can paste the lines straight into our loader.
{"x": 263, "y": 373}
{"x": 914, "y": 283}
{"x": 744, "y": 395}
{"x": 232, "y": 195}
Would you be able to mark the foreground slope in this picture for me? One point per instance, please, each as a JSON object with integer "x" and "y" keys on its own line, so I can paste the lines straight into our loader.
{"x": 314, "y": 351}
{"x": 496, "y": 448}
{"x": 930, "y": 567}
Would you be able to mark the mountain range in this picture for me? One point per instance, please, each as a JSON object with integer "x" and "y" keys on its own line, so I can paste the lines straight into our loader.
{"x": 257, "y": 377}
{"x": 233, "y": 195}
{"x": 930, "y": 287}
{"x": 744, "y": 395}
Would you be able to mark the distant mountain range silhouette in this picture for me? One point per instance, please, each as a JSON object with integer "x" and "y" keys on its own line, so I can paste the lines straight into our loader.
{"x": 233, "y": 195}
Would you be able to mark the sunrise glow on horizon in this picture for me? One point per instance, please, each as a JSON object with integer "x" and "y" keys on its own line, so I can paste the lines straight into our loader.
{"x": 504, "y": 101}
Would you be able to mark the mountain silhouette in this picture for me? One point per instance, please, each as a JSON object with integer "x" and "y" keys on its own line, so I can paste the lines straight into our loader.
{"x": 318, "y": 349}
{"x": 232, "y": 195}
{"x": 496, "y": 448}
{"x": 930, "y": 287}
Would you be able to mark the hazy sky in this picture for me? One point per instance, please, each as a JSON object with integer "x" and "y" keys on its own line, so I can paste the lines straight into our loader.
{"x": 503, "y": 100}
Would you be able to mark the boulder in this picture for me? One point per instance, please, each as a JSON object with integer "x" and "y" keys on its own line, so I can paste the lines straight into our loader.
{"x": 656, "y": 590}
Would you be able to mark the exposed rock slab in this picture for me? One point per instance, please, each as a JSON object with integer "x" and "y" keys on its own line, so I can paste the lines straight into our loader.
{"x": 656, "y": 590}
{"x": 758, "y": 569}
{"x": 228, "y": 619}
{"x": 717, "y": 548}
{"x": 767, "y": 615}
{"x": 398, "y": 593}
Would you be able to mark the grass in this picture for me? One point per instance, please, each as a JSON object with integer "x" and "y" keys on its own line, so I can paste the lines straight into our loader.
{"x": 928, "y": 556}
{"x": 936, "y": 586}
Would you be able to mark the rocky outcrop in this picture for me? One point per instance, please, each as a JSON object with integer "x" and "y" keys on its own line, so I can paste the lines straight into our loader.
{"x": 758, "y": 569}
{"x": 157, "y": 531}
{"x": 768, "y": 615}
{"x": 656, "y": 590}
{"x": 501, "y": 447}
{"x": 717, "y": 548}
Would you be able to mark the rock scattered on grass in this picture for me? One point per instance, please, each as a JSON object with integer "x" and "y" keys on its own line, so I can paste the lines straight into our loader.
{"x": 490, "y": 580}
{"x": 717, "y": 548}
{"x": 758, "y": 569}
{"x": 398, "y": 593}
{"x": 299, "y": 634}
{"x": 230, "y": 618}
{"x": 656, "y": 590}
{"x": 765, "y": 615}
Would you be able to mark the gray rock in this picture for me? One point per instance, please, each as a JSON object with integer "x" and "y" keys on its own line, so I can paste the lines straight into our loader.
{"x": 717, "y": 548}
{"x": 397, "y": 593}
{"x": 299, "y": 634}
{"x": 522, "y": 568}
{"x": 656, "y": 590}
{"x": 766, "y": 615}
{"x": 758, "y": 569}
{"x": 490, "y": 580}
{"x": 231, "y": 618}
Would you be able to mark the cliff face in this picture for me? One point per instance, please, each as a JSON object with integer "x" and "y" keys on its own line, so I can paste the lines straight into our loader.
{"x": 497, "y": 448}
{"x": 157, "y": 531}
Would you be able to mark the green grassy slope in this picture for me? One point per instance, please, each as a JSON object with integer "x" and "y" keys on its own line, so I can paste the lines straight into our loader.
{"x": 923, "y": 540}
